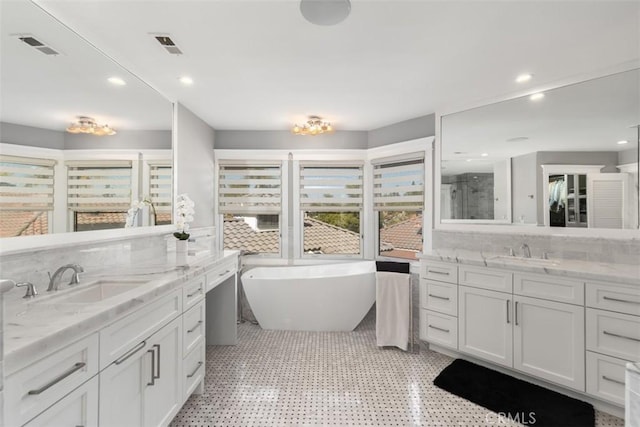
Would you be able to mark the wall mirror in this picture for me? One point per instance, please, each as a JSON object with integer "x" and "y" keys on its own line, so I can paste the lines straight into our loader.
{"x": 54, "y": 181}
{"x": 566, "y": 157}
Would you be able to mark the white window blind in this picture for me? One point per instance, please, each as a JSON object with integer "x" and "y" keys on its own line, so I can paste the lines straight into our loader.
{"x": 26, "y": 183}
{"x": 160, "y": 184}
{"x": 251, "y": 189}
{"x": 398, "y": 185}
{"x": 102, "y": 185}
{"x": 331, "y": 188}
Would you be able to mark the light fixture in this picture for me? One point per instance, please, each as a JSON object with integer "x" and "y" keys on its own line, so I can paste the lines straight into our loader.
{"x": 314, "y": 126}
{"x": 622, "y": 142}
{"x": 186, "y": 80}
{"x": 524, "y": 78}
{"x": 88, "y": 125}
{"x": 484, "y": 154}
{"x": 116, "y": 81}
{"x": 325, "y": 12}
{"x": 536, "y": 96}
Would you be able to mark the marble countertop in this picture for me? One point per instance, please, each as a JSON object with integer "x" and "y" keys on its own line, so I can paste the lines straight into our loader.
{"x": 587, "y": 270}
{"x": 38, "y": 325}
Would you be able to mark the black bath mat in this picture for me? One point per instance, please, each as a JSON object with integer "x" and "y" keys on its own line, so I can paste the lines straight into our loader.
{"x": 512, "y": 398}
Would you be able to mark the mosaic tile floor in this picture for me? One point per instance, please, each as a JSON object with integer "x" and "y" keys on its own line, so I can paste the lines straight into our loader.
{"x": 284, "y": 378}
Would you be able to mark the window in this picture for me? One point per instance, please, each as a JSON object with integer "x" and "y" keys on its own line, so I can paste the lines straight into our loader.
{"x": 98, "y": 193}
{"x": 26, "y": 195}
{"x": 160, "y": 185}
{"x": 249, "y": 199}
{"x": 331, "y": 204}
{"x": 398, "y": 198}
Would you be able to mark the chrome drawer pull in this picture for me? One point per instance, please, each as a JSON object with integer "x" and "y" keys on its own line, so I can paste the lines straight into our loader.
{"x": 195, "y": 293}
{"x": 158, "y": 363}
{"x": 446, "y": 273}
{"x": 508, "y": 303}
{"x": 195, "y": 327}
{"x": 195, "y": 370}
{"x": 222, "y": 274}
{"x": 76, "y": 367}
{"x": 621, "y": 336}
{"x": 131, "y": 353}
{"x": 515, "y": 314}
{"x": 439, "y": 297}
{"x": 153, "y": 366}
{"x": 604, "y": 377}
{"x": 439, "y": 329}
{"x": 621, "y": 300}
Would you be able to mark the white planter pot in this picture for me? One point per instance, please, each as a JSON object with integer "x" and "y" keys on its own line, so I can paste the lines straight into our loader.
{"x": 182, "y": 248}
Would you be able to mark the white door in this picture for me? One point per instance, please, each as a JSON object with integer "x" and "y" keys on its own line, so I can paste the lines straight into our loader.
{"x": 122, "y": 389}
{"x": 163, "y": 386}
{"x": 485, "y": 319}
{"x": 548, "y": 340}
{"x": 606, "y": 199}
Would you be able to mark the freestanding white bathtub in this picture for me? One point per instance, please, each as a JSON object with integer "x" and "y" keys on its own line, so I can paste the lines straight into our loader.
{"x": 328, "y": 297}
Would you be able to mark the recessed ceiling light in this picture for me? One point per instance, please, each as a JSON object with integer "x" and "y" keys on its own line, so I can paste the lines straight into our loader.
{"x": 518, "y": 139}
{"x": 117, "y": 81}
{"x": 469, "y": 160}
{"x": 484, "y": 154}
{"x": 186, "y": 80}
{"x": 537, "y": 96}
{"x": 622, "y": 142}
{"x": 523, "y": 78}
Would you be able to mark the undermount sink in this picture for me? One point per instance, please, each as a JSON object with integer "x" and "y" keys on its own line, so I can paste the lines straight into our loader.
{"x": 527, "y": 261}
{"x": 95, "y": 292}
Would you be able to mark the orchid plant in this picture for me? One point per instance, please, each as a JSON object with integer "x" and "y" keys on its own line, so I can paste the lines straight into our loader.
{"x": 184, "y": 215}
{"x": 136, "y": 206}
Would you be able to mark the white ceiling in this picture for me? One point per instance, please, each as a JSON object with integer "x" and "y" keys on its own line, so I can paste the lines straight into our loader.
{"x": 260, "y": 65}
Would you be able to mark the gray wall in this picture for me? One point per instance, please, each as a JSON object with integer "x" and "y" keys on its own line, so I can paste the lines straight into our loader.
{"x": 11, "y": 133}
{"x": 285, "y": 140}
{"x": 403, "y": 131}
{"x": 524, "y": 182}
{"x": 193, "y": 152}
{"x": 628, "y": 156}
{"x": 123, "y": 140}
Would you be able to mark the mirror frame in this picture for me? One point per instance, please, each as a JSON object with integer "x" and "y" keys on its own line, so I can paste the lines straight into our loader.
{"x": 501, "y": 227}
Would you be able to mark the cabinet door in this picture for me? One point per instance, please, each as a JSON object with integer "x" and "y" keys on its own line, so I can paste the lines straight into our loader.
{"x": 78, "y": 408}
{"x": 549, "y": 341}
{"x": 122, "y": 387}
{"x": 484, "y": 328}
{"x": 163, "y": 390}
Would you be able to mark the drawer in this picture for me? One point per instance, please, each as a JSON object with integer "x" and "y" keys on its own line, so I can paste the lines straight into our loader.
{"x": 439, "y": 329}
{"x": 613, "y": 334}
{"x": 31, "y": 390}
{"x": 193, "y": 292}
{"x": 620, "y": 298}
{"x": 78, "y": 408}
{"x": 221, "y": 272}
{"x": 439, "y": 271}
{"x": 439, "y": 296}
{"x": 606, "y": 377}
{"x": 486, "y": 278}
{"x": 126, "y": 334}
{"x": 193, "y": 369}
{"x": 549, "y": 287}
{"x": 193, "y": 324}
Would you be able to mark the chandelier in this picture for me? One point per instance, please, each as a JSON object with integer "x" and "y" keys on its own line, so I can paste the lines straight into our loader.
{"x": 89, "y": 125}
{"x": 314, "y": 126}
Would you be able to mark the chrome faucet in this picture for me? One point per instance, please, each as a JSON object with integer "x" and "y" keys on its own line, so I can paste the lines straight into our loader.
{"x": 55, "y": 278}
{"x": 526, "y": 251}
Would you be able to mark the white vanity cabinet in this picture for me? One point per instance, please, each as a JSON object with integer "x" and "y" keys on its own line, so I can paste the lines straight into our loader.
{"x": 439, "y": 303}
{"x": 142, "y": 387}
{"x": 613, "y": 337}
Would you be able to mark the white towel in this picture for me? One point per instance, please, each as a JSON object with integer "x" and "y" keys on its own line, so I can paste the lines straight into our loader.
{"x": 392, "y": 309}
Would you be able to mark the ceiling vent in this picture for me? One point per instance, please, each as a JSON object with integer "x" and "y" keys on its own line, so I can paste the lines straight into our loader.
{"x": 166, "y": 42}
{"x": 37, "y": 44}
